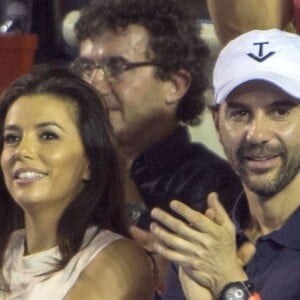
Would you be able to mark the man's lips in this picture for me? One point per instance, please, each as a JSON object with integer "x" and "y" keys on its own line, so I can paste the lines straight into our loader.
{"x": 261, "y": 161}
{"x": 260, "y": 157}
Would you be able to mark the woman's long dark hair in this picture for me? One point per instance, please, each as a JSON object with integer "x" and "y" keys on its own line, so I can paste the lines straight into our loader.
{"x": 101, "y": 201}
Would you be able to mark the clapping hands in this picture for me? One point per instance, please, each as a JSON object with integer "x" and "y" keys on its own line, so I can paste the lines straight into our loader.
{"x": 204, "y": 246}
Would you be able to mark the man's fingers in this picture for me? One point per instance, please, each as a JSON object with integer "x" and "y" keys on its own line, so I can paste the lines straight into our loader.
{"x": 143, "y": 237}
{"x": 221, "y": 215}
{"x": 212, "y": 215}
{"x": 179, "y": 227}
{"x": 173, "y": 241}
{"x": 174, "y": 255}
{"x": 245, "y": 253}
{"x": 196, "y": 219}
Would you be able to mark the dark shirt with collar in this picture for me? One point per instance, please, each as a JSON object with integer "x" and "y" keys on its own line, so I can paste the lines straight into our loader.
{"x": 275, "y": 267}
{"x": 180, "y": 169}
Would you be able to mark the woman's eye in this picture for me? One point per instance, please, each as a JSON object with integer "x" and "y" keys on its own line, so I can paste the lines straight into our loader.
{"x": 48, "y": 136}
{"x": 11, "y": 138}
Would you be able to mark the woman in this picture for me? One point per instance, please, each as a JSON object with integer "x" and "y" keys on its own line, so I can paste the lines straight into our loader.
{"x": 60, "y": 180}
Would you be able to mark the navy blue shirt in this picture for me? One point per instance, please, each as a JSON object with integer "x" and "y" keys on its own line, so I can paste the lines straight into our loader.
{"x": 275, "y": 267}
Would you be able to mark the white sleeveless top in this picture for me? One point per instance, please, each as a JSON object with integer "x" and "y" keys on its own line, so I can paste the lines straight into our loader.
{"x": 20, "y": 272}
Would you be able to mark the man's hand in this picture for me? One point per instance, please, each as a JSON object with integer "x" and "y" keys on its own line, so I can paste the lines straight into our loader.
{"x": 145, "y": 238}
{"x": 192, "y": 289}
{"x": 148, "y": 240}
{"x": 246, "y": 250}
{"x": 245, "y": 253}
{"x": 204, "y": 245}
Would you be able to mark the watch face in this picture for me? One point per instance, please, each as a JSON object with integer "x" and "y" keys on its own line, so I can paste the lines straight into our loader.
{"x": 235, "y": 293}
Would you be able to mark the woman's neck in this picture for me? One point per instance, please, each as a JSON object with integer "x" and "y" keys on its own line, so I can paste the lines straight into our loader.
{"x": 41, "y": 233}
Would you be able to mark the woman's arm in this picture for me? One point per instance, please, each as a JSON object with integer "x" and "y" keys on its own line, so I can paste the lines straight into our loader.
{"x": 122, "y": 271}
{"x": 234, "y": 17}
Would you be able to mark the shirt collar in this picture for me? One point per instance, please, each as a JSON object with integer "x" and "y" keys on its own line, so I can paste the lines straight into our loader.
{"x": 287, "y": 235}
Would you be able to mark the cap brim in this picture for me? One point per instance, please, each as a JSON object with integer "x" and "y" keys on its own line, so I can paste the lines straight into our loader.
{"x": 287, "y": 83}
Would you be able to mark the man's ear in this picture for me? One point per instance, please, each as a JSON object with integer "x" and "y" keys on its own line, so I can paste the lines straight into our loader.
{"x": 179, "y": 85}
{"x": 215, "y": 116}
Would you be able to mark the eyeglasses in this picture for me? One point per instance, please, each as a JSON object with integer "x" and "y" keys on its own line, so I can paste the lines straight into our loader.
{"x": 112, "y": 67}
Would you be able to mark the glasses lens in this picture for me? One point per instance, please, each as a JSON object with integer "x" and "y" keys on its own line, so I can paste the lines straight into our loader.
{"x": 83, "y": 66}
{"x": 114, "y": 66}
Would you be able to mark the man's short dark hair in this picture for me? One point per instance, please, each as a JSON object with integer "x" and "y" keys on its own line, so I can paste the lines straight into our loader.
{"x": 174, "y": 41}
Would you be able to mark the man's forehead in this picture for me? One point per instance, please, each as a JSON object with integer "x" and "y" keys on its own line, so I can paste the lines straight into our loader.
{"x": 129, "y": 41}
{"x": 86, "y": 48}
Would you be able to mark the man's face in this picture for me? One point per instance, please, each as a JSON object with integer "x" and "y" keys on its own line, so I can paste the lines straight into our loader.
{"x": 259, "y": 127}
{"x": 136, "y": 99}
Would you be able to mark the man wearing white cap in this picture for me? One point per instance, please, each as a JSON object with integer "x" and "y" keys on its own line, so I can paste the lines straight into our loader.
{"x": 256, "y": 254}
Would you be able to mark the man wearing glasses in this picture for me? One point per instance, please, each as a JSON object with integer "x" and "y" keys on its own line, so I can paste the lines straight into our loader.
{"x": 148, "y": 62}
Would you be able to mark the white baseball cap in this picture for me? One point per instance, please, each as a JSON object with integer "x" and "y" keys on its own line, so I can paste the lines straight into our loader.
{"x": 270, "y": 55}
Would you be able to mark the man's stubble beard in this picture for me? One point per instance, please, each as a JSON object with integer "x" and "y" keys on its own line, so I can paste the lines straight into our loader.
{"x": 264, "y": 185}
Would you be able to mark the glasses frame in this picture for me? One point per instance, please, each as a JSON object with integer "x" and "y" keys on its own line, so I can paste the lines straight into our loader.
{"x": 105, "y": 69}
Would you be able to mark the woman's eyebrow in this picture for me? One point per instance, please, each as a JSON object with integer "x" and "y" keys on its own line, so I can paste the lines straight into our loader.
{"x": 11, "y": 127}
{"x": 49, "y": 123}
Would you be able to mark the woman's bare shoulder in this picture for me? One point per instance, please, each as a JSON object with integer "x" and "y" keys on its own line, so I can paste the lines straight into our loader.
{"x": 123, "y": 270}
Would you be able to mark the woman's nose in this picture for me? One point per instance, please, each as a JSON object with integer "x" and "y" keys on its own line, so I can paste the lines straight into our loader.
{"x": 25, "y": 150}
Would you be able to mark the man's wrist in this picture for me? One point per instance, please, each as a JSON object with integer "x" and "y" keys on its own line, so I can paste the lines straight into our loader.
{"x": 239, "y": 290}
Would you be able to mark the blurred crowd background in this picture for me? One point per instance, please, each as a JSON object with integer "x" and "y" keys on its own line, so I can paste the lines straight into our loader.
{"x": 46, "y": 18}
{"x": 50, "y": 22}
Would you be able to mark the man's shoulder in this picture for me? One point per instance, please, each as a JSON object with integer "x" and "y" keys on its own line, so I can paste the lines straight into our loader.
{"x": 203, "y": 152}
{"x": 198, "y": 157}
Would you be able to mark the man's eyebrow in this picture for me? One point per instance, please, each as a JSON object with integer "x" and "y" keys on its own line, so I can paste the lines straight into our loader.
{"x": 287, "y": 103}
{"x": 236, "y": 104}
{"x": 290, "y": 103}
{"x": 104, "y": 58}
{"x": 110, "y": 58}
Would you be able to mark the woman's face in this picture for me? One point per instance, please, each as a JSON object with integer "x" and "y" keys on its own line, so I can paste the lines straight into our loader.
{"x": 43, "y": 158}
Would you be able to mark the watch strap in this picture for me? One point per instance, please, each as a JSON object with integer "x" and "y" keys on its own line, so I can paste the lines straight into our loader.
{"x": 240, "y": 290}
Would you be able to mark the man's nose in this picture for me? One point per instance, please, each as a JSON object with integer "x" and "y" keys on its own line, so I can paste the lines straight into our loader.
{"x": 260, "y": 129}
{"x": 99, "y": 80}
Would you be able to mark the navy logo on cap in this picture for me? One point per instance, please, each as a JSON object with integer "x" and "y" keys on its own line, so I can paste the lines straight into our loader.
{"x": 261, "y": 55}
